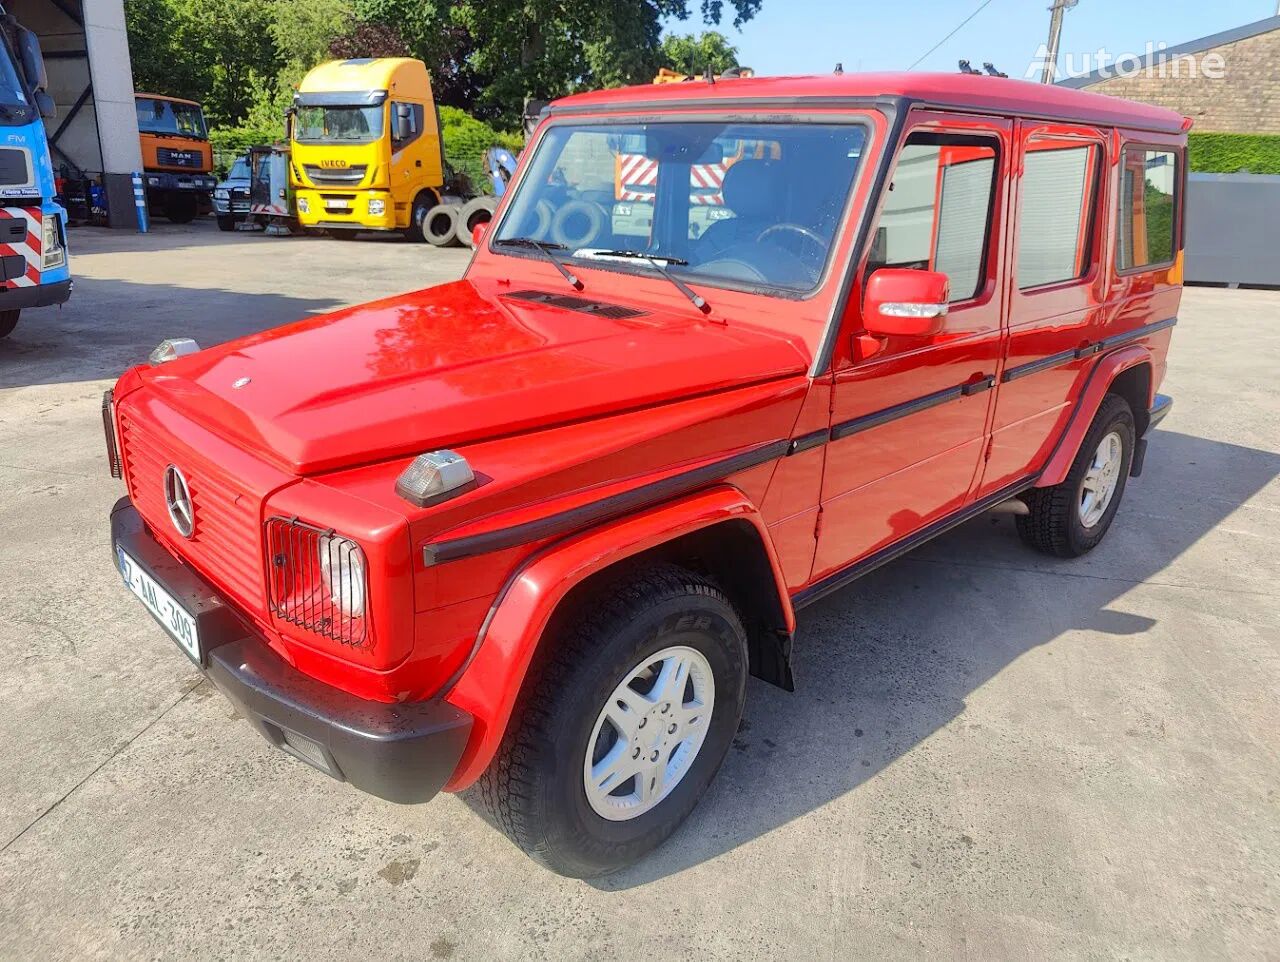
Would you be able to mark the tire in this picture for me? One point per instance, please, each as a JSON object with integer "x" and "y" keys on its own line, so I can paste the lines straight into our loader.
{"x": 578, "y": 223}
{"x": 441, "y": 225}
{"x": 8, "y": 321}
{"x": 478, "y": 210}
{"x": 180, "y": 208}
{"x": 543, "y": 213}
{"x": 226, "y": 222}
{"x": 1063, "y": 520}
{"x": 422, "y": 205}
{"x": 535, "y": 789}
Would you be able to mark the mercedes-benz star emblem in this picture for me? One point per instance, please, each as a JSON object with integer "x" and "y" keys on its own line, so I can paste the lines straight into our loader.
{"x": 178, "y": 498}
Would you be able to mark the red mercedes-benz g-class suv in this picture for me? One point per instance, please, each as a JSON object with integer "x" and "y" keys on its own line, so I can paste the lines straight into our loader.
{"x": 724, "y": 348}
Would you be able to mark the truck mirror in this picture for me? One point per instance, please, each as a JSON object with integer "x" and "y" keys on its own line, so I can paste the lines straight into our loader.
{"x": 404, "y": 122}
{"x": 44, "y": 103}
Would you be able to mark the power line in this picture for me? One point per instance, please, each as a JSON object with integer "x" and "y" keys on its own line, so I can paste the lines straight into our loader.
{"x": 982, "y": 6}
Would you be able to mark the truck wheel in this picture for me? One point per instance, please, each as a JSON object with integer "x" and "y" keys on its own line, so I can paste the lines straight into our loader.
{"x": 180, "y": 208}
{"x": 441, "y": 225}
{"x": 226, "y": 222}
{"x": 478, "y": 210}
{"x": 1070, "y": 518}
{"x": 578, "y": 223}
{"x": 8, "y": 321}
{"x": 620, "y": 730}
{"x": 422, "y": 205}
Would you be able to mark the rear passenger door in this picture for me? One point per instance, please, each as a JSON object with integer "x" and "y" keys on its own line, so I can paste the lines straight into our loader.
{"x": 1056, "y": 293}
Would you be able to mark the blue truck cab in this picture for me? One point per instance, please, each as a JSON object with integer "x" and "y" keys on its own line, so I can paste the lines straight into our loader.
{"x": 34, "y": 269}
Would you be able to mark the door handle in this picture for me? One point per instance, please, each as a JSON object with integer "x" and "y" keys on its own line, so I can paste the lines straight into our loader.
{"x": 977, "y": 387}
{"x": 1086, "y": 350}
{"x": 417, "y": 163}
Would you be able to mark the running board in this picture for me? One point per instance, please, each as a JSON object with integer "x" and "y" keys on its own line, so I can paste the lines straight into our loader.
{"x": 839, "y": 579}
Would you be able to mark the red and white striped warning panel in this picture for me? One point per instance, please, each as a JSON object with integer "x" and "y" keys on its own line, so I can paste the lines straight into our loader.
{"x": 638, "y": 180}
{"x": 25, "y": 241}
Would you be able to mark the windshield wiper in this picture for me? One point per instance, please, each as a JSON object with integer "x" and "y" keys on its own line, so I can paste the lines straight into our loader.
{"x": 695, "y": 298}
{"x": 544, "y": 248}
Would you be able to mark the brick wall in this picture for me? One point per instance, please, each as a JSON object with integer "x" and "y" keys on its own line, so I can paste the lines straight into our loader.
{"x": 1245, "y": 100}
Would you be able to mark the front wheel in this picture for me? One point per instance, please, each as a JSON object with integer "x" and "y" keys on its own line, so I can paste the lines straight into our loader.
{"x": 8, "y": 321}
{"x": 226, "y": 222}
{"x": 620, "y": 731}
{"x": 180, "y": 208}
{"x": 1071, "y": 518}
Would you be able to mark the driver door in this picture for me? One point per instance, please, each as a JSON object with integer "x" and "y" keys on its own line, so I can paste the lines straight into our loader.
{"x": 910, "y": 414}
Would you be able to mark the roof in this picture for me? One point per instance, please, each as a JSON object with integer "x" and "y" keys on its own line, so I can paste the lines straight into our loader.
{"x": 1157, "y": 57}
{"x": 365, "y": 73}
{"x": 954, "y": 90}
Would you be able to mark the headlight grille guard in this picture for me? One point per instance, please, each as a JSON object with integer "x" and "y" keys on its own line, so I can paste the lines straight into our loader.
{"x": 297, "y": 592}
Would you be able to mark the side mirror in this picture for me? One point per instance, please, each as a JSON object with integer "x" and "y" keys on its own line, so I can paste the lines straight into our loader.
{"x": 44, "y": 103}
{"x": 478, "y": 232}
{"x": 404, "y": 122}
{"x": 905, "y": 303}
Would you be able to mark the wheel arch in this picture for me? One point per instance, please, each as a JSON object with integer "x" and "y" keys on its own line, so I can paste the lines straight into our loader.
{"x": 1128, "y": 372}
{"x": 719, "y": 530}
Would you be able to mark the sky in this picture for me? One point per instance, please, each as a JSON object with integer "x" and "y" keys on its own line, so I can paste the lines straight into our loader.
{"x": 812, "y": 36}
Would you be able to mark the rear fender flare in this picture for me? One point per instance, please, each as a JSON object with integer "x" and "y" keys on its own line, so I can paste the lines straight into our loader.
{"x": 1109, "y": 367}
{"x": 489, "y": 685}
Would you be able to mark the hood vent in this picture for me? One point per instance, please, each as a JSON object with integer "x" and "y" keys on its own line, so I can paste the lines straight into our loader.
{"x": 581, "y": 304}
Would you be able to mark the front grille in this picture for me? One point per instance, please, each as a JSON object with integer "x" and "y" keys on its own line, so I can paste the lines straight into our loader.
{"x": 226, "y": 544}
{"x": 168, "y": 157}
{"x": 335, "y": 176}
{"x": 580, "y": 304}
{"x": 300, "y": 593}
{"x": 15, "y": 168}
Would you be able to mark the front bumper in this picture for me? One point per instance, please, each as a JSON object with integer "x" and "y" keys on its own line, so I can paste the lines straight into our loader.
{"x": 163, "y": 180}
{"x": 401, "y": 752}
{"x": 38, "y": 295}
{"x": 322, "y": 209}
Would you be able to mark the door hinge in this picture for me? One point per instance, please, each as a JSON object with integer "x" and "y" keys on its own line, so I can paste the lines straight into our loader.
{"x": 817, "y": 526}
{"x": 991, "y": 443}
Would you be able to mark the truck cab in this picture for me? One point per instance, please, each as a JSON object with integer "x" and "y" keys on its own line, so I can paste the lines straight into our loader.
{"x": 366, "y": 149}
{"x": 533, "y": 529}
{"x": 177, "y": 158}
{"x": 34, "y": 271}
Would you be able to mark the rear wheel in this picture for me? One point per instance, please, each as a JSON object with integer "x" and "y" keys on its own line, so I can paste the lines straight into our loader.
{"x": 620, "y": 730}
{"x": 422, "y": 205}
{"x": 1071, "y": 518}
{"x": 8, "y": 321}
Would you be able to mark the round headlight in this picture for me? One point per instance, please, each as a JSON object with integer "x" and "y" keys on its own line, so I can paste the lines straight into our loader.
{"x": 342, "y": 568}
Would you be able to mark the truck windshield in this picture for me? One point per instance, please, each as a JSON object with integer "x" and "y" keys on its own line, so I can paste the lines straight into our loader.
{"x": 166, "y": 117}
{"x": 13, "y": 99}
{"x": 749, "y": 205}
{"x": 337, "y": 125}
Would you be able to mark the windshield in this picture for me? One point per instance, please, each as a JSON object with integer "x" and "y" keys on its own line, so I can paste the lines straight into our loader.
{"x": 337, "y": 125}
{"x": 11, "y": 92}
{"x": 167, "y": 117}
{"x": 239, "y": 170}
{"x": 752, "y": 204}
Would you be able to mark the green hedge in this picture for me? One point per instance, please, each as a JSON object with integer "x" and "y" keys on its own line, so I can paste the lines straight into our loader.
{"x": 1234, "y": 153}
{"x": 465, "y": 141}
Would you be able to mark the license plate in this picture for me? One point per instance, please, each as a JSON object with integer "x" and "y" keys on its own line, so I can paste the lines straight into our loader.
{"x": 337, "y": 204}
{"x": 175, "y": 619}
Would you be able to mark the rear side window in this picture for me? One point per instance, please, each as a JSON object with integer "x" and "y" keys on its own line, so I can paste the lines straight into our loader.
{"x": 937, "y": 213}
{"x": 1058, "y": 184}
{"x": 1148, "y": 208}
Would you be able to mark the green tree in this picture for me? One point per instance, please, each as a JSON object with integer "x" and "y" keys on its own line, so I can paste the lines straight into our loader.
{"x": 693, "y": 55}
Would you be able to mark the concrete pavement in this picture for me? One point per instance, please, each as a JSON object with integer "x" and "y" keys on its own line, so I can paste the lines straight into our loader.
{"x": 991, "y": 754}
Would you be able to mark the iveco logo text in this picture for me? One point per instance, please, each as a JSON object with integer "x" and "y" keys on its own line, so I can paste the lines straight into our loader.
{"x": 178, "y": 500}
{"x": 333, "y": 163}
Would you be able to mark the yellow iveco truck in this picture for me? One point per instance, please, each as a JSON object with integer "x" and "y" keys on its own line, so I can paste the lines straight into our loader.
{"x": 365, "y": 147}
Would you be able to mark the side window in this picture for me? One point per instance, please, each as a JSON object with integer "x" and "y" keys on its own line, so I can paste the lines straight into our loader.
{"x": 1148, "y": 208}
{"x": 1058, "y": 187}
{"x": 937, "y": 215}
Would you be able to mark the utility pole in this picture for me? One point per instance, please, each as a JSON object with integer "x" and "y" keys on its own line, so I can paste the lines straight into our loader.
{"x": 1055, "y": 35}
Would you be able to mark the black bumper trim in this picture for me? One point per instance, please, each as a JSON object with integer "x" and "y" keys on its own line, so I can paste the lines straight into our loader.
{"x": 41, "y": 295}
{"x": 403, "y": 752}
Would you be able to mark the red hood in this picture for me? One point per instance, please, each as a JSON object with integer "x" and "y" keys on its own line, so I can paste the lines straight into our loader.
{"x": 448, "y": 365}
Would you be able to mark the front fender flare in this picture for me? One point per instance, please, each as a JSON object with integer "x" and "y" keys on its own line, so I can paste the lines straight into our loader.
{"x": 1109, "y": 366}
{"x": 489, "y": 684}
